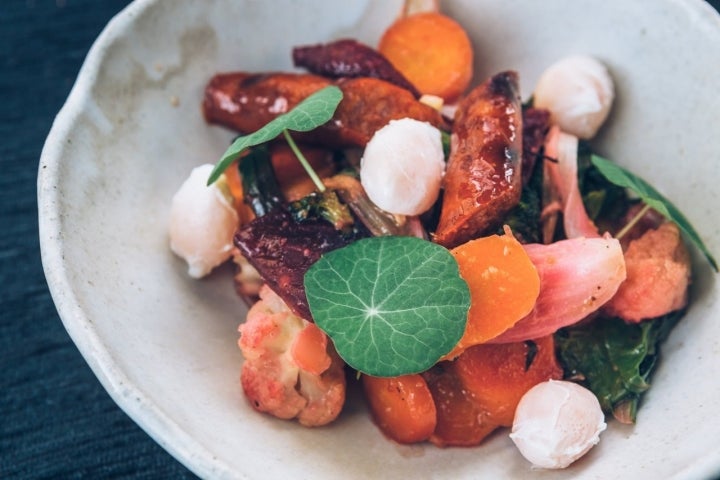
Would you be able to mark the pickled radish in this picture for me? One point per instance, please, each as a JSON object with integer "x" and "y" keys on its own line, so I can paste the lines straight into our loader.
{"x": 577, "y": 277}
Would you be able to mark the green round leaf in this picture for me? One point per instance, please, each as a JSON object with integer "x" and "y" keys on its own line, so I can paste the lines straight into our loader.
{"x": 307, "y": 115}
{"x": 391, "y": 305}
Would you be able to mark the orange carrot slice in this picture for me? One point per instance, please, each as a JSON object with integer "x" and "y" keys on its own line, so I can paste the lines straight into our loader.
{"x": 504, "y": 285}
{"x": 402, "y": 407}
{"x": 433, "y": 52}
{"x": 497, "y": 376}
{"x": 461, "y": 421}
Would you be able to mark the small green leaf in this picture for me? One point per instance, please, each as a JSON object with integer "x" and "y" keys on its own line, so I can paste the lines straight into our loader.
{"x": 391, "y": 305}
{"x": 621, "y": 177}
{"x": 615, "y": 359}
{"x": 307, "y": 115}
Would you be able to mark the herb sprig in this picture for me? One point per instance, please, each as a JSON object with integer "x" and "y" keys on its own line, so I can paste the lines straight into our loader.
{"x": 651, "y": 197}
{"x": 307, "y": 115}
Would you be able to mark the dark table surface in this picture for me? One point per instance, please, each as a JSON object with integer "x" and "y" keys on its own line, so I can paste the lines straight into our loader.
{"x": 56, "y": 421}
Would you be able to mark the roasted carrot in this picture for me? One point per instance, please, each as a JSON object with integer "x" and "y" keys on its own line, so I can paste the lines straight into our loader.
{"x": 461, "y": 422}
{"x": 432, "y": 51}
{"x": 504, "y": 286}
{"x": 402, "y": 407}
{"x": 234, "y": 184}
{"x": 483, "y": 179}
{"x": 498, "y": 375}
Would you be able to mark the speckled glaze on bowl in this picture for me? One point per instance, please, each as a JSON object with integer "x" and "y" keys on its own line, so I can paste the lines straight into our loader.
{"x": 164, "y": 346}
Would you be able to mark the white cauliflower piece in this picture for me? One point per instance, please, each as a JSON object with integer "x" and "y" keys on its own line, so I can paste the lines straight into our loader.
{"x": 290, "y": 369}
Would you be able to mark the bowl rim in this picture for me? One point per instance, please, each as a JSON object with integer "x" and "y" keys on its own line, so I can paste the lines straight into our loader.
{"x": 132, "y": 400}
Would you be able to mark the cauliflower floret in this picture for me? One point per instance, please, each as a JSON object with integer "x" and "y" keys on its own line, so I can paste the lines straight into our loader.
{"x": 290, "y": 370}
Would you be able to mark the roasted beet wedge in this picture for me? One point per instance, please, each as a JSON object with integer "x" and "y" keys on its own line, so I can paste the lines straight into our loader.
{"x": 282, "y": 250}
{"x": 348, "y": 58}
{"x": 246, "y": 102}
{"x": 483, "y": 178}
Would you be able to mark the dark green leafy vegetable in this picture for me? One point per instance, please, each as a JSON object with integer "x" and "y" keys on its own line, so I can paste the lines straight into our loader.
{"x": 391, "y": 305}
{"x": 614, "y": 359}
{"x": 307, "y": 115}
{"x": 604, "y": 201}
{"x": 445, "y": 139}
{"x": 619, "y": 176}
{"x": 524, "y": 218}
{"x": 260, "y": 187}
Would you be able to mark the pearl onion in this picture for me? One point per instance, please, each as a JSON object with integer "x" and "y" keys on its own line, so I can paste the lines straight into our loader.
{"x": 578, "y": 91}
{"x": 202, "y": 223}
{"x": 402, "y": 167}
{"x": 557, "y": 422}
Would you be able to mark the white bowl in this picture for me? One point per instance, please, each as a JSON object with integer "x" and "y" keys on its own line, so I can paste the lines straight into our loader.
{"x": 164, "y": 345}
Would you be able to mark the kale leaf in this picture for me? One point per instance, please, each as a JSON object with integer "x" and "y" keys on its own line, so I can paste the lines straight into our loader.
{"x": 614, "y": 359}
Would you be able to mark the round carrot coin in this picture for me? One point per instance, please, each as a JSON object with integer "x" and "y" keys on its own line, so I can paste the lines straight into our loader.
{"x": 432, "y": 51}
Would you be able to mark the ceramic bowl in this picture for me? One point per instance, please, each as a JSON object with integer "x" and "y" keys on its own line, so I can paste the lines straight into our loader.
{"x": 164, "y": 345}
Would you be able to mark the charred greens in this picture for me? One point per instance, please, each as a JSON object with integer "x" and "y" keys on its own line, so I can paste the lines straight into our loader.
{"x": 323, "y": 205}
{"x": 614, "y": 359}
{"x": 260, "y": 187}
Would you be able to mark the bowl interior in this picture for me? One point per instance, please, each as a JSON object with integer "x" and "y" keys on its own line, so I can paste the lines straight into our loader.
{"x": 164, "y": 345}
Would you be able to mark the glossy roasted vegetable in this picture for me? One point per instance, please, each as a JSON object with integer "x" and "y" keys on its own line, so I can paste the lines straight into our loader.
{"x": 245, "y": 102}
{"x": 483, "y": 180}
{"x": 282, "y": 249}
{"x": 348, "y": 58}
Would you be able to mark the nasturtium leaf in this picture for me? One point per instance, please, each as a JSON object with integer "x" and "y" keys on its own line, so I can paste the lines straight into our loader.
{"x": 391, "y": 305}
{"x": 307, "y": 115}
{"x": 647, "y": 193}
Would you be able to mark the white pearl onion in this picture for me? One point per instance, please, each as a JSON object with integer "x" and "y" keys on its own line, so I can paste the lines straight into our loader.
{"x": 579, "y": 92}
{"x": 402, "y": 167}
{"x": 557, "y": 422}
{"x": 202, "y": 223}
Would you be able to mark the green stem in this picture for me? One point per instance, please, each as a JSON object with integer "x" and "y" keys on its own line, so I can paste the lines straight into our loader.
{"x": 632, "y": 222}
{"x": 303, "y": 161}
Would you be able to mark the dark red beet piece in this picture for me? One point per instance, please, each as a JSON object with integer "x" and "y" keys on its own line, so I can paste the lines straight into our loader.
{"x": 282, "y": 250}
{"x": 349, "y": 58}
